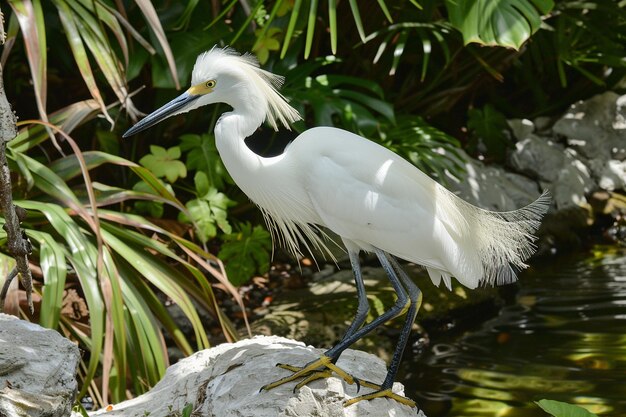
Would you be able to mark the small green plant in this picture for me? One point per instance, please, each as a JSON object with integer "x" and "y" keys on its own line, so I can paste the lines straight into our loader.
{"x": 246, "y": 252}
{"x": 187, "y": 410}
{"x": 561, "y": 409}
{"x": 207, "y": 212}
{"x": 165, "y": 163}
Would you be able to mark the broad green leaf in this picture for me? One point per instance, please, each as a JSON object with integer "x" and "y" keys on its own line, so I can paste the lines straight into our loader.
{"x": 246, "y": 253}
{"x": 561, "y": 409}
{"x": 109, "y": 17}
{"x": 507, "y": 23}
{"x": 49, "y": 182}
{"x": 265, "y": 43}
{"x": 205, "y": 297}
{"x": 147, "y": 354}
{"x": 164, "y": 163}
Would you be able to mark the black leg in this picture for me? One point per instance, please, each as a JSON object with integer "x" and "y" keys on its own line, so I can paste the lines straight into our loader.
{"x": 394, "y": 311}
{"x": 415, "y": 299}
{"x": 364, "y": 307}
{"x": 407, "y": 298}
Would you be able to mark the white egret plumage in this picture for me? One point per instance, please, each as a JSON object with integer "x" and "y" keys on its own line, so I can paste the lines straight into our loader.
{"x": 372, "y": 198}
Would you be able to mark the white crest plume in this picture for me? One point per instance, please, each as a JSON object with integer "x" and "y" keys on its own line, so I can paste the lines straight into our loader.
{"x": 278, "y": 108}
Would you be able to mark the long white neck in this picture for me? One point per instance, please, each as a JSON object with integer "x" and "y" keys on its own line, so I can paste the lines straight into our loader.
{"x": 230, "y": 132}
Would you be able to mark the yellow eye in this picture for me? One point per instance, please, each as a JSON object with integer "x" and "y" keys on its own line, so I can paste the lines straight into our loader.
{"x": 210, "y": 84}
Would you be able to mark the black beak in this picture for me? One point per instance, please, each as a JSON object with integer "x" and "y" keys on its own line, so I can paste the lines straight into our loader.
{"x": 164, "y": 112}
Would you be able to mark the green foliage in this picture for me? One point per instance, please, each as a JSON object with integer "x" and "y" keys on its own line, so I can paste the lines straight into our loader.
{"x": 207, "y": 212}
{"x": 202, "y": 156}
{"x": 187, "y": 410}
{"x": 427, "y": 147}
{"x": 150, "y": 206}
{"x": 561, "y": 409}
{"x": 164, "y": 163}
{"x": 246, "y": 252}
{"x": 111, "y": 266}
{"x": 506, "y": 23}
{"x": 416, "y": 71}
{"x": 337, "y": 100}
{"x": 487, "y": 128}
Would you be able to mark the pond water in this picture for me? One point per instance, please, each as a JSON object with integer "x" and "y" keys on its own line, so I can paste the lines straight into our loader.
{"x": 562, "y": 338}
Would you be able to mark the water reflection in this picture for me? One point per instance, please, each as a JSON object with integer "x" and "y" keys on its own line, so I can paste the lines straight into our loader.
{"x": 564, "y": 338}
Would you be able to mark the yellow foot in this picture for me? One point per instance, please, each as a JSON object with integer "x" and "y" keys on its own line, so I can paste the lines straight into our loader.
{"x": 385, "y": 393}
{"x": 318, "y": 369}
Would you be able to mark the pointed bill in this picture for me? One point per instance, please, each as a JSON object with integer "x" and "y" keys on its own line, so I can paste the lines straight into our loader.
{"x": 178, "y": 105}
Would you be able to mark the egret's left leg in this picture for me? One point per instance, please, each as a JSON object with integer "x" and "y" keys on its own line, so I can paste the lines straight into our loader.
{"x": 325, "y": 366}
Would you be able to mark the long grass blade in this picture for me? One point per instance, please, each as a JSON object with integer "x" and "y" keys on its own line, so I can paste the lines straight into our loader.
{"x": 291, "y": 26}
{"x": 80, "y": 55}
{"x": 310, "y": 31}
{"x": 153, "y": 19}
{"x": 356, "y": 14}
{"x": 30, "y": 18}
{"x": 54, "y": 268}
{"x": 163, "y": 277}
{"x": 332, "y": 24}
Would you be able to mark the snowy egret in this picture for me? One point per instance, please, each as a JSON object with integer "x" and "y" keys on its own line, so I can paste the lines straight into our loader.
{"x": 372, "y": 198}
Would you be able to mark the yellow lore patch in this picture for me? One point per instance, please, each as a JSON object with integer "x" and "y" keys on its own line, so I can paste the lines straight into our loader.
{"x": 202, "y": 88}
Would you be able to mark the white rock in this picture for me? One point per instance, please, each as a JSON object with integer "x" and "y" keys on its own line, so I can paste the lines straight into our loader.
{"x": 224, "y": 382}
{"x": 37, "y": 370}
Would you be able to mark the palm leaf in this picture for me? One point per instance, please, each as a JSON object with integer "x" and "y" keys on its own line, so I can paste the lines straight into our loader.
{"x": 507, "y": 23}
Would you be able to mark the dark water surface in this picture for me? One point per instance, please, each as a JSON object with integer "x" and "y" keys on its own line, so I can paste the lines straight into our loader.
{"x": 562, "y": 338}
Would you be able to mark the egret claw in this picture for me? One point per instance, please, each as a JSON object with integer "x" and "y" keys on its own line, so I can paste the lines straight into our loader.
{"x": 381, "y": 393}
{"x": 320, "y": 368}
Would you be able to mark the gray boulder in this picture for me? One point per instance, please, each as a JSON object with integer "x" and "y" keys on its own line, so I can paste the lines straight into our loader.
{"x": 596, "y": 127}
{"x": 37, "y": 370}
{"x": 492, "y": 187}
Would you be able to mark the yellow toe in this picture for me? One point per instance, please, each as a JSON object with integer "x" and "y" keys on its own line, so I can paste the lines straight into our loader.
{"x": 385, "y": 393}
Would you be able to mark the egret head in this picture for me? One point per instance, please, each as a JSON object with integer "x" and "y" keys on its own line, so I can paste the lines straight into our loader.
{"x": 224, "y": 76}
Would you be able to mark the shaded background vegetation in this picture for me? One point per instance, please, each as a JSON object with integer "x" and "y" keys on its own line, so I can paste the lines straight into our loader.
{"x": 120, "y": 228}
